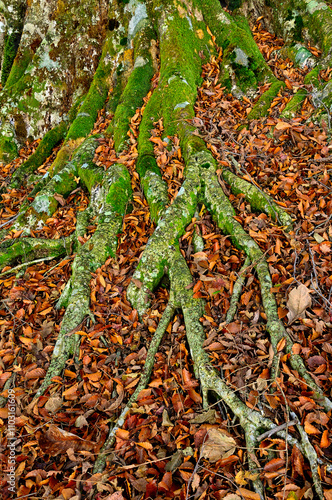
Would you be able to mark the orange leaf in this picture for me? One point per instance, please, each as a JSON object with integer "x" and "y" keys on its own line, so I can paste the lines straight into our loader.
{"x": 146, "y": 445}
{"x": 296, "y": 349}
{"x": 281, "y": 344}
{"x": 310, "y": 429}
{"x": 94, "y": 377}
{"x": 325, "y": 441}
{"x": 248, "y": 494}
{"x": 71, "y": 393}
{"x": 122, "y": 434}
{"x": 274, "y": 464}
{"x": 3, "y": 412}
{"x": 36, "y": 373}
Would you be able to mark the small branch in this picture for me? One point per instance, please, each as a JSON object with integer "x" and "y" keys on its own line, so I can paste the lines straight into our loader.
{"x": 276, "y": 429}
{"x": 26, "y": 264}
{"x": 237, "y": 291}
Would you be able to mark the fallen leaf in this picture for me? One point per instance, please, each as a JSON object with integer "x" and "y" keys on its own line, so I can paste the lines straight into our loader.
{"x": 298, "y": 301}
{"x": 53, "y": 404}
{"x": 217, "y": 445}
{"x": 251, "y": 495}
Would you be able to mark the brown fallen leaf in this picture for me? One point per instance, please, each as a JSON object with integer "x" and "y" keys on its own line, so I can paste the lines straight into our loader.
{"x": 217, "y": 445}
{"x": 56, "y": 440}
{"x": 298, "y": 301}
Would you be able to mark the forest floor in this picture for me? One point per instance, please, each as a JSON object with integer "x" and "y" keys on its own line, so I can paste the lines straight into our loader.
{"x": 162, "y": 451}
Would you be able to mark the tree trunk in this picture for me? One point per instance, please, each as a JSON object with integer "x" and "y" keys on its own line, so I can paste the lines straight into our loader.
{"x": 65, "y": 61}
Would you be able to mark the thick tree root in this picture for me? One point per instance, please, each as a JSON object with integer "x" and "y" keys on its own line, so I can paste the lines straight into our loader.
{"x": 32, "y": 248}
{"x": 224, "y": 213}
{"x": 43, "y": 151}
{"x": 109, "y": 201}
{"x": 258, "y": 200}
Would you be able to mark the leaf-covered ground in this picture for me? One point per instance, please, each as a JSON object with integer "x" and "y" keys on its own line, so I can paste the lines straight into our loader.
{"x": 164, "y": 449}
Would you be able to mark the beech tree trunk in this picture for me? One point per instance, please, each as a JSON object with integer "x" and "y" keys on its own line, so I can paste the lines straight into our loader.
{"x": 61, "y": 61}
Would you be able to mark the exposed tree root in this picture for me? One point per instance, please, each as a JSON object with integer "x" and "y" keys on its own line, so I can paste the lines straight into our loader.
{"x": 44, "y": 149}
{"x": 109, "y": 202}
{"x": 237, "y": 290}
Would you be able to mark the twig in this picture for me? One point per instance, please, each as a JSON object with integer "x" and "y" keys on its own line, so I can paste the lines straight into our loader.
{"x": 26, "y": 264}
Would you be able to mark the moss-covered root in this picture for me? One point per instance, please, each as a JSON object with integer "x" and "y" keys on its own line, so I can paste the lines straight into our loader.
{"x": 144, "y": 380}
{"x": 45, "y": 203}
{"x": 263, "y": 104}
{"x": 110, "y": 204}
{"x": 170, "y": 228}
{"x": 96, "y": 96}
{"x": 136, "y": 89}
{"x": 13, "y": 13}
{"x": 252, "y": 422}
{"x": 43, "y": 151}
{"x": 8, "y": 143}
{"x": 237, "y": 290}
{"x": 294, "y": 104}
{"x": 258, "y": 199}
{"x": 243, "y": 67}
{"x": 155, "y": 189}
{"x": 28, "y": 249}
{"x": 224, "y": 213}
{"x": 11, "y": 45}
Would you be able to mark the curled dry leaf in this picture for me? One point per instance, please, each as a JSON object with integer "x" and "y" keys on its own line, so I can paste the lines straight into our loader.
{"x": 298, "y": 301}
{"x": 56, "y": 440}
{"x": 217, "y": 445}
{"x": 53, "y": 404}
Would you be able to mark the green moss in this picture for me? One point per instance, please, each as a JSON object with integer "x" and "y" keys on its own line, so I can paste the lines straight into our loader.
{"x": 312, "y": 77}
{"x": 264, "y": 102}
{"x": 8, "y": 145}
{"x": 243, "y": 63}
{"x": 44, "y": 149}
{"x": 147, "y": 162}
{"x": 156, "y": 194}
{"x": 27, "y": 249}
{"x": 93, "y": 102}
{"x": 294, "y": 104}
{"x": 89, "y": 174}
{"x": 10, "y": 48}
{"x": 20, "y": 64}
{"x": 8, "y": 150}
{"x": 137, "y": 87}
{"x": 120, "y": 192}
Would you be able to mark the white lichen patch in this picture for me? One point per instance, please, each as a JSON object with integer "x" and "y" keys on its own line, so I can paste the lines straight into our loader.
{"x": 312, "y": 6}
{"x": 139, "y": 16}
{"x": 42, "y": 204}
{"x": 241, "y": 57}
{"x": 223, "y": 18}
{"x": 140, "y": 61}
{"x": 46, "y": 62}
{"x": 181, "y": 105}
